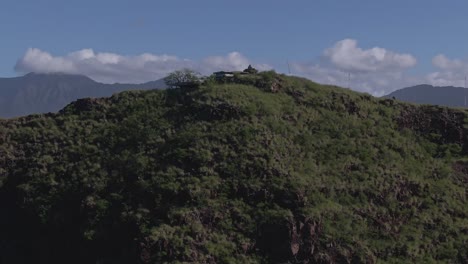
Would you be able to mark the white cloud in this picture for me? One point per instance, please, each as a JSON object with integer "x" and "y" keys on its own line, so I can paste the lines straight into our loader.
{"x": 111, "y": 67}
{"x": 442, "y": 62}
{"x": 375, "y": 83}
{"x": 347, "y": 56}
{"x": 443, "y": 79}
{"x": 35, "y": 59}
{"x": 234, "y": 61}
{"x": 79, "y": 55}
{"x": 376, "y": 71}
{"x": 450, "y": 72}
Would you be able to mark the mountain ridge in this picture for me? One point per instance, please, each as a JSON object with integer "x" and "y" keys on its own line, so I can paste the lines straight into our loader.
{"x": 450, "y": 96}
{"x": 36, "y": 93}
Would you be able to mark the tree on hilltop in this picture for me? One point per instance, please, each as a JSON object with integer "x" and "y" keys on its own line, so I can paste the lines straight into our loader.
{"x": 182, "y": 77}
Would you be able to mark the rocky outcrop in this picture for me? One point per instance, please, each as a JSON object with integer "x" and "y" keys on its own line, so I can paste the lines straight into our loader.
{"x": 299, "y": 239}
{"x": 427, "y": 120}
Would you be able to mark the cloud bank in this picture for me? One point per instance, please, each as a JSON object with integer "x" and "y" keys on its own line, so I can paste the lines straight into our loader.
{"x": 110, "y": 67}
{"x": 450, "y": 72}
{"x": 375, "y": 70}
{"x": 347, "y": 56}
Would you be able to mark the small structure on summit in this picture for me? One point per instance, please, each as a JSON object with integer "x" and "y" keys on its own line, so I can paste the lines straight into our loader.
{"x": 230, "y": 74}
{"x": 250, "y": 70}
{"x": 223, "y": 74}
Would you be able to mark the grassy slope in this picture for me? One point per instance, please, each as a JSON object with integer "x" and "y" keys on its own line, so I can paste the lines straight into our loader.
{"x": 236, "y": 173}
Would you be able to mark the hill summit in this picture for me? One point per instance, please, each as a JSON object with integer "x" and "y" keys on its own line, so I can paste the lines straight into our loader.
{"x": 260, "y": 168}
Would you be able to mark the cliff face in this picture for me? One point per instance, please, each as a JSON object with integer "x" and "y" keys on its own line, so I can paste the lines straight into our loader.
{"x": 272, "y": 169}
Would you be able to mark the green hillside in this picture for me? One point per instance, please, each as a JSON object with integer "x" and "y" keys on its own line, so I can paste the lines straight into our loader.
{"x": 269, "y": 169}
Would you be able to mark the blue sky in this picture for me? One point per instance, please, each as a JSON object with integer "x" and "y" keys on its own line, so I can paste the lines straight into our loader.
{"x": 424, "y": 41}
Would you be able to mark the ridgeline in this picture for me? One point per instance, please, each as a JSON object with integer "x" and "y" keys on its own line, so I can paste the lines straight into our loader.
{"x": 38, "y": 93}
{"x": 436, "y": 95}
{"x": 262, "y": 168}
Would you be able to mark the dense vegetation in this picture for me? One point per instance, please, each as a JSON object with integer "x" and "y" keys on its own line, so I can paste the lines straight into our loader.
{"x": 262, "y": 169}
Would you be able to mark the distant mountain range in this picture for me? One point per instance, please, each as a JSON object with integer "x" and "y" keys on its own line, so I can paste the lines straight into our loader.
{"x": 435, "y": 95}
{"x": 42, "y": 93}
{"x": 36, "y": 93}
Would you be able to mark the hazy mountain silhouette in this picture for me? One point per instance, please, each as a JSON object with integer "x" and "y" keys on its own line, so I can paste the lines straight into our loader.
{"x": 42, "y": 93}
{"x": 435, "y": 95}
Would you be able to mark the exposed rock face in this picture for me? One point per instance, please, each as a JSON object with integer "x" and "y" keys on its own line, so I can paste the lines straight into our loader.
{"x": 275, "y": 86}
{"x": 299, "y": 239}
{"x": 461, "y": 171}
{"x": 428, "y": 120}
{"x": 304, "y": 234}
